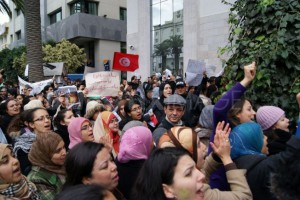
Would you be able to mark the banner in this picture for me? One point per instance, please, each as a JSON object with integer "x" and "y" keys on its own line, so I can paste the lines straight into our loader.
{"x": 213, "y": 70}
{"x": 125, "y": 62}
{"x": 194, "y": 72}
{"x": 102, "y": 84}
{"x": 36, "y": 87}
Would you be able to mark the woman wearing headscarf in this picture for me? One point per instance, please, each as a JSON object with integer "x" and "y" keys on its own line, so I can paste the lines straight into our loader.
{"x": 205, "y": 125}
{"x": 107, "y": 124}
{"x": 80, "y": 130}
{"x": 135, "y": 147}
{"x": 47, "y": 156}
{"x": 13, "y": 185}
{"x": 249, "y": 150}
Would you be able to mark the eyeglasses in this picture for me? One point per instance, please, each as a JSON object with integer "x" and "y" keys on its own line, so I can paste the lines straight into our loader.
{"x": 113, "y": 120}
{"x": 42, "y": 118}
{"x": 86, "y": 127}
{"x": 136, "y": 109}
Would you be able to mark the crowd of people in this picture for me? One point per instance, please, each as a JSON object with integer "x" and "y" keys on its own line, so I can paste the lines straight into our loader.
{"x": 157, "y": 140}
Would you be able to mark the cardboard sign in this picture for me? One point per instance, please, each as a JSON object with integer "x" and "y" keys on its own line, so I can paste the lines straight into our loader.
{"x": 102, "y": 84}
{"x": 194, "y": 72}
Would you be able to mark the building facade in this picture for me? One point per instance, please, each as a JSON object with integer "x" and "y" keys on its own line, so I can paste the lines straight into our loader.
{"x": 98, "y": 26}
{"x": 201, "y": 24}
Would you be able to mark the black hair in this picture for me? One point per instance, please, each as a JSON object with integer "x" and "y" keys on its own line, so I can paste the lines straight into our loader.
{"x": 129, "y": 104}
{"x": 79, "y": 192}
{"x": 60, "y": 117}
{"x": 3, "y": 106}
{"x": 80, "y": 161}
{"x": 236, "y": 108}
{"x": 30, "y": 114}
{"x": 157, "y": 170}
{"x": 13, "y": 92}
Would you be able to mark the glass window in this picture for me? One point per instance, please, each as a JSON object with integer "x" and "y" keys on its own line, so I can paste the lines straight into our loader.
{"x": 123, "y": 14}
{"x": 18, "y": 12}
{"x": 55, "y": 17}
{"x": 82, "y": 6}
{"x": 167, "y": 35}
{"x": 18, "y": 35}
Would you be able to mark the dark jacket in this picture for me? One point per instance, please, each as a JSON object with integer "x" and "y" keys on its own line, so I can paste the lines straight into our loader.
{"x": 277, "y": 140}
{"x": 128, "y": 173}
{"x": 158, "y": 109}
{"x": 64, "y": 134}
{"x": 259, "y": 168}
{"x": 194, "y": 106}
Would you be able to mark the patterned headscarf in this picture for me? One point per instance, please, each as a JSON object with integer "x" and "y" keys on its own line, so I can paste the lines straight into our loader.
{"x": 246, "y": 139}
{"x": 21, "y": 190}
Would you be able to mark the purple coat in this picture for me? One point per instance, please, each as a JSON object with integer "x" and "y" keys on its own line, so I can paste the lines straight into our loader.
{"x": 218, "y": 179}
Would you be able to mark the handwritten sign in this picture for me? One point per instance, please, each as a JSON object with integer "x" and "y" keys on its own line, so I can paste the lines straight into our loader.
{"x": 194, "y": 72}
{"x": 102, "y": 84}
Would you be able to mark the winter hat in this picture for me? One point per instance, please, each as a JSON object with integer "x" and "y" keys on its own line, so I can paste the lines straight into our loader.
{"x": 33, "y": 104}
{"x": 206, "y": 117}
{"x": 92, "y": 107}
{"x": 267, "y": 116}
{"x": 246, "y": 139}
{"x": 131, "y": 124}
{"x": 136, "y": 144}
{"x": 74, "y": 130}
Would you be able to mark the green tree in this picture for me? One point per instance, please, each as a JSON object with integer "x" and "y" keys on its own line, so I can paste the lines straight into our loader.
{"x": 33, "y": 40}
{"x": 4, "y": 8}
{"x": 176, "y": 44}
{"x": 7, "y": 59}
{"x": 267, "y": 31}
{"x": 163, "y": 50}
{"x": 66, "y": 52}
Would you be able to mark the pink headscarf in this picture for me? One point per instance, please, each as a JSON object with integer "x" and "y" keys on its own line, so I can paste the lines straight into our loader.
{"x": 136, "y": 144}
{"x": 74, "y": 130}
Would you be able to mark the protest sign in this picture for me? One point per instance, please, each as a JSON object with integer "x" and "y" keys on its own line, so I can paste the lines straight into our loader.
{"x": 194, "y": 72}
{"x": 102, "y": 84}
{"x": 71, "y": 97}
{"x": 213, "y": 70}
{"x": 36, "y": 87}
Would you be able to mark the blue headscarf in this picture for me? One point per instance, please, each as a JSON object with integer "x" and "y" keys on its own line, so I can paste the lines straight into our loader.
{"x": 245, "y": 139}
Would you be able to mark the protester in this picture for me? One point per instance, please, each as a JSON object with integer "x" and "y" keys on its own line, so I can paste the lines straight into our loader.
{"x": 107, "y": 124}
{"x": 233, "y": 108}
{"x": 47, "y": 156}
{"x": 174, "y": 107}
{"x": 135, "y": 147}
{"x": 194, "y": 104}
{"x": 24, "y": 131}
{"x": 80, "y": 130}
{"x": 249, "y": 150}
{"x": 9, "y": 110}
{"x": 13, "y": 185}
{"x": 205, "y": 124}
{"x": 91, "y": 163}
{"x": 171, "y": 173}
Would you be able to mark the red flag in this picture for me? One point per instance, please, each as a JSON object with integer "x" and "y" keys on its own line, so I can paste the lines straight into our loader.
{"x": 125, "y": 62}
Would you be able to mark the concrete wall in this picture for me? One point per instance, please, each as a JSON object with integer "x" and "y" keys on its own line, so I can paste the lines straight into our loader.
{"x": 84, "y": 25}
{"x": 139, "y": 35}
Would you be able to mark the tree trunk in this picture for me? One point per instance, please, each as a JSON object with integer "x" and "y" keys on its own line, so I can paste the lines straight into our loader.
{"x": 176, "y": 60}
{"x": 34, "y": 40}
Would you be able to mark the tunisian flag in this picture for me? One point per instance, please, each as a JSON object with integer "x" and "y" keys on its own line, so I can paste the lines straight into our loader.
{"x": 125, "y": 62}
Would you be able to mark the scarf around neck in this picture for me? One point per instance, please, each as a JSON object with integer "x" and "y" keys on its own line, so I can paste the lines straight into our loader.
{"x": 21, "y": 190}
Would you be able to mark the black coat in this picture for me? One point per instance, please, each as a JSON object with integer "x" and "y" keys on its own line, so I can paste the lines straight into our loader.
{"x": 128, "y": 173}
{"x": 259, "y": 169}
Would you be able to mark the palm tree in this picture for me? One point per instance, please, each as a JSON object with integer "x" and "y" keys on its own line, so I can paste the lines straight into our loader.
{"x": 4, "y": 8}
{"x": 162, "y": 50}
{"x": 176, "y": 44}
{"x": 34, "y": 40}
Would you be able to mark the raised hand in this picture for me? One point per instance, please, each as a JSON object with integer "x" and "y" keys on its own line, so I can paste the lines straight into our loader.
{"x": 221, "y": 145}
{"x": 249, "y": 74}
{"x": 107, "y": 141}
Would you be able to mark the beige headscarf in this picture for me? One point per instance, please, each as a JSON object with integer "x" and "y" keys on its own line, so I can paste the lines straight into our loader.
{"x": 42, "y": 151}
